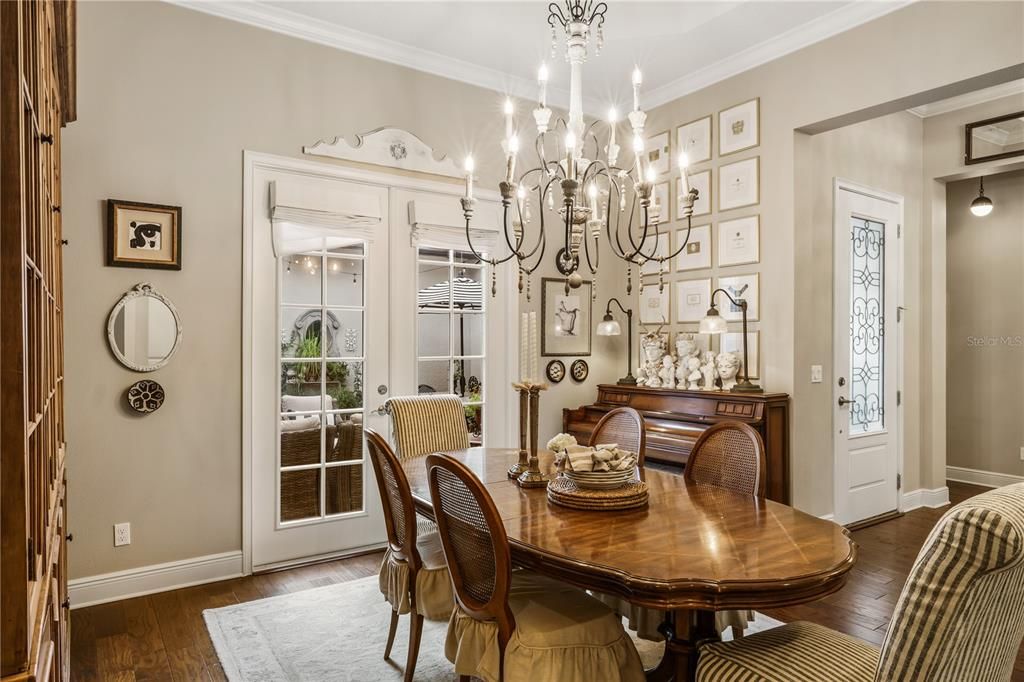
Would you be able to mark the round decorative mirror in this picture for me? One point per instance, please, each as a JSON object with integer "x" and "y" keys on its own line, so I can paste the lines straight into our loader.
{"x": 144, "y": 329}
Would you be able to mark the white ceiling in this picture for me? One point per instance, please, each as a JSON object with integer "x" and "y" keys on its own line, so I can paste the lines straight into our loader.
{"x": 681, "y": 46}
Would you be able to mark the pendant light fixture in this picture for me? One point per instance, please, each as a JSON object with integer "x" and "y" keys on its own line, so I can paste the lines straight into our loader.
{"x": 981, "y": 206}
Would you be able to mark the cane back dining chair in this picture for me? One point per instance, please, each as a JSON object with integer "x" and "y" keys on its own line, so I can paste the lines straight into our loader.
{"x": 516, "y": 625}
{"x": 960, "y": 616}
{"x": 625, "y": 427}
{"x": 424, "y": 424}
{"x": 413, "y": 576}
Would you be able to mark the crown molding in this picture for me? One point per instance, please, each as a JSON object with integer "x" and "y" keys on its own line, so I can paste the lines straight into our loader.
{"x": 969, "y": 99}
{"x": 296, "y": 25}
{"x": 289, "y": 23}
{"x": 824, "y": 27}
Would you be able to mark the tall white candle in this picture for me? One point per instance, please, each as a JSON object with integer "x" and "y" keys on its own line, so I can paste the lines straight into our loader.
{"x": 524, "y": 323}
{"x": 533, "y": 346}
{"x": 509, "y": 110}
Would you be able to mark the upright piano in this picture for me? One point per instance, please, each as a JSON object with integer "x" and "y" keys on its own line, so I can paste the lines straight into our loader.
{"x": 675, "y": 419}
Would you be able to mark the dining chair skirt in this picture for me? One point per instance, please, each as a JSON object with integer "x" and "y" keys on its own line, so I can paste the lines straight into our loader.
{"x": 434, "y": 599}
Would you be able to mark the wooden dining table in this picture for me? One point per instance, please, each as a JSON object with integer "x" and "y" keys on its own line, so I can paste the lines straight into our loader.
{"x": 693, "y": 550}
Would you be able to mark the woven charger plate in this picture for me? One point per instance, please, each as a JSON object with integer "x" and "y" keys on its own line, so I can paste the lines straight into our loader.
{"x": 564, "y": 492}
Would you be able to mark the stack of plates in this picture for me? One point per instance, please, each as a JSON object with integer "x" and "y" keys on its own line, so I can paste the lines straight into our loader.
{"x": 600, "y": 480}
{"x": 563, "y": 492}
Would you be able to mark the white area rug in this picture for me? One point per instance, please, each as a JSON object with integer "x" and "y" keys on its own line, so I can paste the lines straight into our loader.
{"x": 337, "y": 633}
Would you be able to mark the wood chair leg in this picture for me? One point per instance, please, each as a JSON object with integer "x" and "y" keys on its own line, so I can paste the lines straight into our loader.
{"x": 464, "y": 678}
{"x": 415, "y": 630}
{"x": 391, "y": 633}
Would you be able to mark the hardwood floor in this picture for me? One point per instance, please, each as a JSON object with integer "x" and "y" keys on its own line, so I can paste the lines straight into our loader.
{"x": 163, "y": 637}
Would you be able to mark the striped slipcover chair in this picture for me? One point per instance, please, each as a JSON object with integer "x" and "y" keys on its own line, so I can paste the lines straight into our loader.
{"x": 960, "y": 617}
{"x": 423, "y": 425}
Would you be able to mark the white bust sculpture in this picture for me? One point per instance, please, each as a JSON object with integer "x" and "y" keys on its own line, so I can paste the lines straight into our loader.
{"x": 686, "y": 346}
{"x": 709, "y": 372}
{"x": 693, "y": 373}
{"x": 728, "y": 365}
{"x": 654, "y": 349}
{"x": 668, "y": 372}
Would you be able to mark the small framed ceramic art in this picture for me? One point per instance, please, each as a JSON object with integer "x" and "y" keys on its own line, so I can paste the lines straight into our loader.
{"x": 654, "y": 305}
{"x": 739, "y": 184}
{"x": 702, "y": 182}
{"x": 694, "y": 139}
{"x": 696, "y": 255}
{"x": 652, "y": 248}
{"x": 693, "y": 297}
{"x": 732, "y": 342}
{"x": 143, "y": 235}
{"x": 739, "y": 241}
{"x": 739, "y": 127}
{"x": 746, "y": 287}
{"x": 659, "y": 152}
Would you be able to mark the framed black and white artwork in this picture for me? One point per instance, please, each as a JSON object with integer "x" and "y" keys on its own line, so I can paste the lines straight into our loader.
{"x": 702, "y": 182}
{"x": 739, "y": 184}
{"x": 143, "y": 235}
{"x": 693, "y": 298}
{"x": 659, "y": 152}
{"x": 654, "y": 305}
{"x": 741, "y": 286}
{"x": 739, "y": 127}
{"x": 696, "y": 255}
{"x": 694, "y": 140}
{"x": 739, "y": 241}
{"x": 567, "y": 318}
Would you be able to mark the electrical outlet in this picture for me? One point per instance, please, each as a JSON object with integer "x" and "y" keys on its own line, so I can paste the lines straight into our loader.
{"x": 816, "y": 374}
{"x": 122, "y": 534}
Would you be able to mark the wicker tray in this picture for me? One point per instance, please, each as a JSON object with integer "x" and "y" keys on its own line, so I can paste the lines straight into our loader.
{"x": 563, "y": 492}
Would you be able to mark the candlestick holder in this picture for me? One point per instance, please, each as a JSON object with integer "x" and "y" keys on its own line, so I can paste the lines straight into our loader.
{"x": 532, "y": 477}
{"x": 524, "y": 410}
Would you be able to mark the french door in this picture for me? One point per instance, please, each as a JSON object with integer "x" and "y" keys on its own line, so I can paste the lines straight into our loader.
{"x": 867, "y": 352}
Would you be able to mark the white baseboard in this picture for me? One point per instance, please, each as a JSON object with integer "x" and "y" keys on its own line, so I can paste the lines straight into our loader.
{"x": 828, "y": 517}
{"x": 135, "y": 582}
{"x": 923, "y": 497}
{"x": 989, "y": 479}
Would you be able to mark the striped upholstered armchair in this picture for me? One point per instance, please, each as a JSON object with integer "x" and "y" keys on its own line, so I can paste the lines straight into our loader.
{"x": 960, "y": 616}
{"x": 424, "y": 424}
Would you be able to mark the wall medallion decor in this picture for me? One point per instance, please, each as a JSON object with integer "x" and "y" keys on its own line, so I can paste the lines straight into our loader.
{"x": 566, "y": 317}
{"x": 145, "y": 396}
{"x": 143, "y": 235}
{"x": 555, "y": 371}
{"x": 739, "y": 127}
{"x": 143, "y": 329}
{"x": 579, "y": 370}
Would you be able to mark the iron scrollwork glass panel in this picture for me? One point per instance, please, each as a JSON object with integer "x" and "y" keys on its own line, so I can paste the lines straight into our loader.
{"x": 867, "y": 326}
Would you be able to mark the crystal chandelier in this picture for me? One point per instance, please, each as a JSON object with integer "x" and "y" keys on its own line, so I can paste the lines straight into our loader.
{"x": 578, "y": 183}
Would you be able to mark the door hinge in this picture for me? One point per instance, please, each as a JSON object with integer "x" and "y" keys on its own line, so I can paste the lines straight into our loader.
{"x": 899, "y": 230}
{"x": 899, "y": 397}
{"x": 899, "y": 481}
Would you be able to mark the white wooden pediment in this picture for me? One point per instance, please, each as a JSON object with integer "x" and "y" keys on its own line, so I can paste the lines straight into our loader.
{"x": 390, "y": 147}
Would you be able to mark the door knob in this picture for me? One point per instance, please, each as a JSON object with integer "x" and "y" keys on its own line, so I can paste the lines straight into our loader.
{"x": 843, "y": 402}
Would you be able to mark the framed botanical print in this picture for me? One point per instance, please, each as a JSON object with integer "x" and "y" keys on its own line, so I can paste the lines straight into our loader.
{"x": 732, "y": 342}
{"x": 739, "y": 127}
{"x": 739, "y": 241}
{"x": 696, "y": 255}
{"x": 739, "y": 184}
{"x": 654, "y": 305}
{"x": 693, "y": 298}
{"x": 694, "y": 140}
{"x": 567, "y": 318}
{"x": 702, "y": 182}
{"x": 659, "y": 152}
{"x": 742, "y": 286}
{"x": 143, "y": 235}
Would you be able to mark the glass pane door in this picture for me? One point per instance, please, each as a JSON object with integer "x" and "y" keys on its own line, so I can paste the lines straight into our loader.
{"x": 321, "y": 364}
{"x": 867, "y": 326}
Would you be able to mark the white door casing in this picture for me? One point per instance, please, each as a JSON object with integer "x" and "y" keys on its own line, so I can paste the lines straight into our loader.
{"x": 390, "y": 292}
{"x": 867, "y": 349}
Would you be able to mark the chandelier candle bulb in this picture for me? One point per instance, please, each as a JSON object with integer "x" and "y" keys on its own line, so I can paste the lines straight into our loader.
{"x": 684, "y": 161}
{"x": 613, "y": 119}
{"x": 469, "y": 176}
{"x": 570, "y": 153}
{"x": 542, "y": 78}
{"x": 513, "y": 149}
{"x": 509, "y": 110}
{"x": 638, "y": 79}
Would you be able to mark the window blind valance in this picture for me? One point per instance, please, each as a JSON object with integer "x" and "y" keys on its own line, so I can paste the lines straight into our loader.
{"x": 311, "y": 214}
{"x": 440, "y": 222}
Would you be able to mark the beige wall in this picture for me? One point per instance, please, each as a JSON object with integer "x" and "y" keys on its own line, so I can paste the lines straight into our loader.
{"x": 168, "y": 100}
{"x": 834, "y": 80}
{"x": 985, "y": 274}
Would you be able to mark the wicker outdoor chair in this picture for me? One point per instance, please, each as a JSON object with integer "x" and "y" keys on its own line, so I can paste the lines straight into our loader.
{"x": 413, "y": 576}
{"x": 515, "y": 626}
{"x": 300, "y": 492}
{"x": 625, "y": 427}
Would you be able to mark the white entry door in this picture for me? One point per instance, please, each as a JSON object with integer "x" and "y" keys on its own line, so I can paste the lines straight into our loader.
{"x": 319, "y": 363}
{"x": 866, "y": 298}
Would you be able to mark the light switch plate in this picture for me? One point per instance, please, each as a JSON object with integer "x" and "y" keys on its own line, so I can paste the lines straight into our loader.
{"x": 816, "y": 374}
